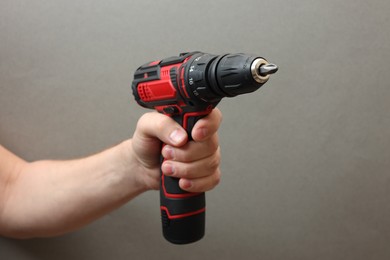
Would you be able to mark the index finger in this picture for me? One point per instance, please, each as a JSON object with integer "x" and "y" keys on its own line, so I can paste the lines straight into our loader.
{"x": 206, "y": 127}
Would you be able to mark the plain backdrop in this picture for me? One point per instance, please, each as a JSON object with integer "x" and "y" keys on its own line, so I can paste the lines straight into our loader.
{"x": 306, "y": 159}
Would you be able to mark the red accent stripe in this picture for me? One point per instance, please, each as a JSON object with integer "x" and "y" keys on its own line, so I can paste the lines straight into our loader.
{"x": 182, "y": 215}
{"x": 183, "y": 85}
{"x": 154, "y": 63}
{"x": 193, "y": 114}
{"x": 176, "y": 196}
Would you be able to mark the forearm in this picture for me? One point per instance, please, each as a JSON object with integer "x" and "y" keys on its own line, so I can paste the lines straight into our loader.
{"x": 48, "y": 198}
{"x": 54, "y": 197}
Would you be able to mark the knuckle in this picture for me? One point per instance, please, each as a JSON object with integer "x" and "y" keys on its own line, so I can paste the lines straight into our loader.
{"x": 212, "y": 181}
{"x": 215, "y": 161}
{"x": 213, "y": 145}
{"x": 217, "y": 177}
{"x": 219, "y": 115}
{"x": 162, "y": 123}
{"x": 141, "y": 121}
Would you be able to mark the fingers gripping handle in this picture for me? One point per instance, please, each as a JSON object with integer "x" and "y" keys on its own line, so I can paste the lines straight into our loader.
{"x": 182, "y": 212}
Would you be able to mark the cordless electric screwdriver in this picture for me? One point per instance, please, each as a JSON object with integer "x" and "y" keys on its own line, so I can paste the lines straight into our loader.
{"x": 186, "y": 88}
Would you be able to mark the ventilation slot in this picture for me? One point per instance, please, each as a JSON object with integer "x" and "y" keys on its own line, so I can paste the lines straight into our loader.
{"x": 144, "y": 92}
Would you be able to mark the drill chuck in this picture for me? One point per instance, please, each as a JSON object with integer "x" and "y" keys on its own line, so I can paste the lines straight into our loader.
{"x": 213, "y": 77}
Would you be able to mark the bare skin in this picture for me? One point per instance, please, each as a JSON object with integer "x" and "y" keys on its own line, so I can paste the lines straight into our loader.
{"x": 50, "y": 198}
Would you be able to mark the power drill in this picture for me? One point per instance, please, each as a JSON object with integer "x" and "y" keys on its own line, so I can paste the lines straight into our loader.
{"x": 186, "y": 88}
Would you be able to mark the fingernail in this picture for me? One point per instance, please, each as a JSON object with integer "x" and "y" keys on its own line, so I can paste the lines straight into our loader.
{"x": 168, "y": 152}
{"x": 177, "y": 136}
{"x": 167, "y": 169}
{"x": 186, "y": 184}
{"x": 203, "y": 132}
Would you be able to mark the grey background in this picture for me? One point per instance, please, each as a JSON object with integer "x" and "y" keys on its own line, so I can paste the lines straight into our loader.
{"x": 305, "y": 160}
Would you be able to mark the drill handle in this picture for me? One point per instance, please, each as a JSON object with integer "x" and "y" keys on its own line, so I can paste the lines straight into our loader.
{"x": 182, "y": 212}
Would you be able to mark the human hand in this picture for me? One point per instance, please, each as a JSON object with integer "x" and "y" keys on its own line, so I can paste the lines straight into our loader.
{"x": 196, "y": 163}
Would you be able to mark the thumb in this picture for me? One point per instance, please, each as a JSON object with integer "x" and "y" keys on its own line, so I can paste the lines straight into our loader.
{"x": 154, "y": 125}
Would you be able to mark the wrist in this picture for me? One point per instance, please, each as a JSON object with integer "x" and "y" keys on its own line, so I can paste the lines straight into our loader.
{"x": 133, "y": 166}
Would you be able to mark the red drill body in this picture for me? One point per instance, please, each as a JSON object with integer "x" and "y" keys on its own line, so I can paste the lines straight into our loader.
{"x": 187, "y": 88}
